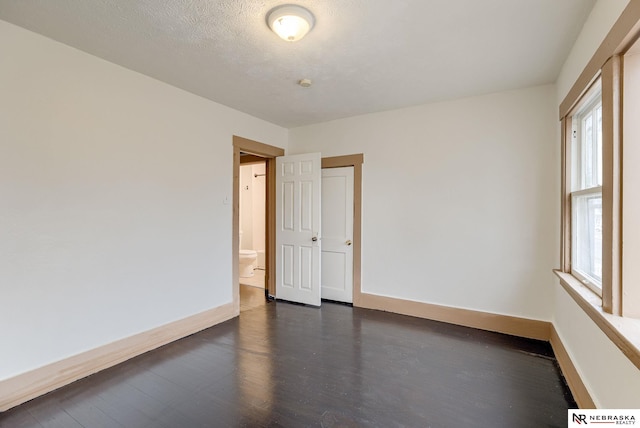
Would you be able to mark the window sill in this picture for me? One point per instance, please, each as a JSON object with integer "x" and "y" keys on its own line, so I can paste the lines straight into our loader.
{"x": 623, "y": 332}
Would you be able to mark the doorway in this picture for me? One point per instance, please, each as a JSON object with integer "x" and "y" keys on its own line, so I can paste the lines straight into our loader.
{"x": 354, "y": 161}
{"x": 252, "y": 236}
{"x": 336, "y": 280}
{"x": 248, "y": 151}
{"x": 269, "y": 153}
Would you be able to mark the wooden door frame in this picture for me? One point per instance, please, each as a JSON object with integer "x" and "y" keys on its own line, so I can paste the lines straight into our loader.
{"x": 356, "y": 162}
{"x": 268, "y": 153}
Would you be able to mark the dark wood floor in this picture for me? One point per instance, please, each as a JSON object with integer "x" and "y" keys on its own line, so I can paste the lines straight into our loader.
{"x": 294, "y": 366}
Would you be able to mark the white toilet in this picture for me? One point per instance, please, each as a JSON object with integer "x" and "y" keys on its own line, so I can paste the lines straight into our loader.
{"x": 247, "y": 260}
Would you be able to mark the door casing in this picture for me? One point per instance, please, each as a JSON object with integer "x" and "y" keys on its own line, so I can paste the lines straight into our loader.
{"x": 269, "y": 153}
{"x": 337, "y": 242}
{"x": 356, "y": 161}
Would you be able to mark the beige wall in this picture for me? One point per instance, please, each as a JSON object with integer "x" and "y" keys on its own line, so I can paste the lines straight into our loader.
{"x": 602, "y": 17}
{"x": 117, "y": 192}
{"x": 459, "y": 199}
{"x": 116, "y": 188}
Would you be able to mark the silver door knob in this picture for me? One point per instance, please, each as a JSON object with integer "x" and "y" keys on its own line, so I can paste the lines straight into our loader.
{"x": 348, "y": 242}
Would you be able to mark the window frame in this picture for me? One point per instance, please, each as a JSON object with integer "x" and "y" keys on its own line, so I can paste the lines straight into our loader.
{"x": 614, "y": 313}
{"x": 606, "y": 82}
{"x": 593, "y": 283}
{"x": 587, "y": 105}
{"x": 592, "y": 100}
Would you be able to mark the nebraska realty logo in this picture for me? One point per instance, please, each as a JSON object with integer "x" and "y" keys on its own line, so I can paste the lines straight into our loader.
{"x": 599, "y": 417}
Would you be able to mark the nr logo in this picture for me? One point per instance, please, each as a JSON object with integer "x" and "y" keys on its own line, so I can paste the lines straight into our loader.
{"x": 580, "y": 419}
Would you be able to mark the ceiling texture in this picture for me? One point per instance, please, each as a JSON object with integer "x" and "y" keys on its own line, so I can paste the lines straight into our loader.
{"x": 363, "y": 56}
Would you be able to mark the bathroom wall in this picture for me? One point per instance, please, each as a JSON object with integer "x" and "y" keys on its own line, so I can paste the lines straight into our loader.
{"x": 259, "y": 194}
{"x": 246, "y": 207}
{"x": 252, "y": 209}
{"x": 115, "y": 196}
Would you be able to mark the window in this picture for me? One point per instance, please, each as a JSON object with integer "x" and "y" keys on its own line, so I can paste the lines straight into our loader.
{"x": 600, "y": 186}
{"x": 586, "y": 190}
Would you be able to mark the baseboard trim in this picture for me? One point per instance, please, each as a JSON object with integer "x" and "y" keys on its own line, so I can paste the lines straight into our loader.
{"x": 577, "y": 387}
{"x": 24, "y": 387}
{"x": 523, "y": 327}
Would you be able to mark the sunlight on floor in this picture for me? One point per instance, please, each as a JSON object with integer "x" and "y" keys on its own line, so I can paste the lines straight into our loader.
{"x": 252, "y": 291}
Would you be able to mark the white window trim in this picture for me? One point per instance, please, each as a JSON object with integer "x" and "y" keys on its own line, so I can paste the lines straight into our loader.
{"x": 586, "y": 279}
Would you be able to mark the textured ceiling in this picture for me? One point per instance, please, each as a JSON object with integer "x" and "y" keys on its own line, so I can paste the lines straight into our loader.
{"x": 363, "y": 55}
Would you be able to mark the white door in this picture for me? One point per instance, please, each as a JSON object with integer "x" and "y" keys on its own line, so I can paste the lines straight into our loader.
{"x": 337, "y": 234}
{"x": 298, "y": 183}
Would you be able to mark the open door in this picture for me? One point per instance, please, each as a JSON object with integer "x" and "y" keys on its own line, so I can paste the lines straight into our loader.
{"x": 298, "y": 195}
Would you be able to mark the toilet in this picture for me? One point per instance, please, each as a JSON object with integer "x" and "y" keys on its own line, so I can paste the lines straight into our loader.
{"x": 247, "y": 260}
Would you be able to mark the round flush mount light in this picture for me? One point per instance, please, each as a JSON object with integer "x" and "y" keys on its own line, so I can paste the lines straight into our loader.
{"x": 290, "y": 22}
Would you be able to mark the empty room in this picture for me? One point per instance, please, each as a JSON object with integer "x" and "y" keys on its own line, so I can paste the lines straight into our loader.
{"x": 416, "y": 213}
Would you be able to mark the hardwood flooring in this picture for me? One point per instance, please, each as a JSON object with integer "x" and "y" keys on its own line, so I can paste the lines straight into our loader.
{"x": 257, "y": 280}
{"x": 294, "y": 366}
{"x": 251, "y": 297}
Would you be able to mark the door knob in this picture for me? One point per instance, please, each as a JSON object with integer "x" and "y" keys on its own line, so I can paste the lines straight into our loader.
{"x": 314, "y": 239}
{"x": 348, "y": 242}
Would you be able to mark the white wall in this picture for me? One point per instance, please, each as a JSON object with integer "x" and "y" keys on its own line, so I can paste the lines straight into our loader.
{"x": 611, "y": 379}
{"x": 602, "y": 17}
{"x": 112, "y": 190}
{"x": 253, "y": 207}
{"x": 459, "y": 199}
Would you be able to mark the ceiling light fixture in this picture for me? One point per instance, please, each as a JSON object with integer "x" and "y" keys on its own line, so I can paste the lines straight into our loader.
{"x": 290, "y": 22}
